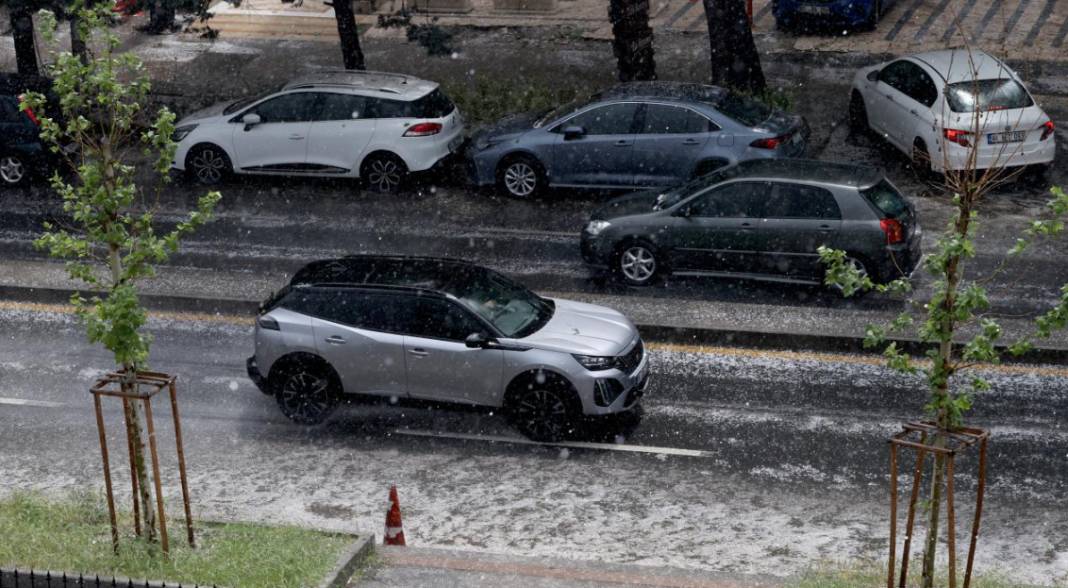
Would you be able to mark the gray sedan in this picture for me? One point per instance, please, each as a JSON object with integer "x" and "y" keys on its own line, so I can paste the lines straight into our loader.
{"x": 635, "y": 134}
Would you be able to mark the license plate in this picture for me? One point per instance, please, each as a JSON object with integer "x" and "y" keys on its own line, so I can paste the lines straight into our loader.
{"x": 817, "y": 10}
{"x": 1010, "y": 137}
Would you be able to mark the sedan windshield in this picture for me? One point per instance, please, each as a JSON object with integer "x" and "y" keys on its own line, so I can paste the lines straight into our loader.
{"x": 515, "y": 311}
{"x": 560, "y": 111}
{"x": 987, "y": 95}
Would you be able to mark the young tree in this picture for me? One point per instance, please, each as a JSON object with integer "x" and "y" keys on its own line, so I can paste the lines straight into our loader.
{"x": 733, "y": 54}
{"x": 351, "y": 52}
{"x": 956, "y": 303}
{"x": 112, "y": 244}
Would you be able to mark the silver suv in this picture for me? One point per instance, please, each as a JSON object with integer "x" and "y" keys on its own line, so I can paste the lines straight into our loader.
{"x": 447, "y": 331}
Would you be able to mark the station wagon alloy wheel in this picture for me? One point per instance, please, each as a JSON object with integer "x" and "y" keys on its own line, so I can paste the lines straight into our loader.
{"x": 520, "y": 179}
{"x": 384, "y": 174}
{"x": 638, "y": 264}
{"x": 306, "y": 397}
{"x": 543, "y": 415}
{"x": 12, "y": 169}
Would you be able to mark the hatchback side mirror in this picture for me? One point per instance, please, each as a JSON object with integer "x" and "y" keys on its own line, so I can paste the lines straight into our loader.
{"x": 574, "y": 132}
{"x": 250, "y": 120}
{"x": 873, "y": 76}
{"x": 478, "y": 341}
{"x": 683, "y": 212}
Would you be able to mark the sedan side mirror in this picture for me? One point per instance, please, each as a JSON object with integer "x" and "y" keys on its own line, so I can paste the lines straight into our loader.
{"x": 574, "y": 132}
{"x": 478, "y": 341}
{"x": 251, "y": 119}
{"x": 873, "y": 76}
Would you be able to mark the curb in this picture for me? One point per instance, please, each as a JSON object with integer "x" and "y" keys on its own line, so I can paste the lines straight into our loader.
{"x": 710, "y": 336}
{"x": 356, "y": 554}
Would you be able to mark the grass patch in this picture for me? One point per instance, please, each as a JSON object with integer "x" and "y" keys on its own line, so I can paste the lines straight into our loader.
{"x": 871, "y": 574}
{"x": 486, "y": 99}
{"x": 73, "y": 535}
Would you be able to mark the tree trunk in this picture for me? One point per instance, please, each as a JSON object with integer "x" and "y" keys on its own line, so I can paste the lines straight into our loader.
{"x": 77, "y": 43}
{"x": 25, "y": 44}
{"x": 732, "y": 51}
{"x": 351, "y": 52}
{"x": 632, "y": 39}
{"x": 160, "y": 16}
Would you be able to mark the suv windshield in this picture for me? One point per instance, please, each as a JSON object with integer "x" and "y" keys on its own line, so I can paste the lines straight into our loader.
{"x": 515, "y": 311}
{"x": 986, "y": 95}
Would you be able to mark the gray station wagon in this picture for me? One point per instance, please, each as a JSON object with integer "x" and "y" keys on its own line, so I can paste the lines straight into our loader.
{"x": 633, "y": 134}
{"x": 760, "y": 220}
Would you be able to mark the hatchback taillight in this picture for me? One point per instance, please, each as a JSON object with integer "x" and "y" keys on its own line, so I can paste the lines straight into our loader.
{"x": 423, "y": 129}
{"x": 1047, "y": 130}
{"x": 958, "y": 137}
{"x": 29, "y": 112}
{"x": 895, "y": 233}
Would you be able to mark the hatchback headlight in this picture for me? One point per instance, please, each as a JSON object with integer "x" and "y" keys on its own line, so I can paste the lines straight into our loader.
{"x": 595, "y": 363}
{"x": 595, "y": 227}
{"x": 182, "y": 132}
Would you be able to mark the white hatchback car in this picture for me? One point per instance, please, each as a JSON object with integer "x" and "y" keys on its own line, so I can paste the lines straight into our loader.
{"x": 359, "y": 124}
{"x": 937, "y": 107}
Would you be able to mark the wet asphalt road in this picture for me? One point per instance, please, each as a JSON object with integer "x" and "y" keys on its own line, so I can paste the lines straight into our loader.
{"x": 790, "y": 437}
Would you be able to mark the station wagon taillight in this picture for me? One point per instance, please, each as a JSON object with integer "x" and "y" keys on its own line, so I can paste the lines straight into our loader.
{"x": 958, "y": 137}
{"x": 423, "y": 129}
{"x": 895, "y": 233}
{"x": 1047, "y": 130}
{"x": 29, "y": 112}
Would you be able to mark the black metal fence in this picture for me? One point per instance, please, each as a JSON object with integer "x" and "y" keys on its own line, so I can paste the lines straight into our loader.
{"x": 34, "y": 579}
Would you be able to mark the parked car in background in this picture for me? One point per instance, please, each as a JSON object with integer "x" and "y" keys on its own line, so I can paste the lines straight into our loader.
{"x": 448, "y": 331}
{"x": 937, "y": 107}
{"x": 761, "y": 219}
{"x": 22, "y": 154}
{"x": 376, "y": 126}
{"x": 804, "y": 14}
{"x": 634, "y": 134}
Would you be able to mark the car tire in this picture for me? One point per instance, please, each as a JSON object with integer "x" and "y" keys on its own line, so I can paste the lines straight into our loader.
{"x": 307, "y": 391}
{"x": 384, "y": 173}
{"x": 860, "y": 266}
{"x": 208, "y": 164}
{"x": 543, "y": 407}
{"x": 521, "y": 176}
{"x": 858, "y": 114}
{"x": 13, "y": 170}
{"x": 637, "y": 263}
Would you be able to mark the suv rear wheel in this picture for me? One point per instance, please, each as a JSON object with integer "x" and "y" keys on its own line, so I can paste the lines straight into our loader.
{"x": 12, "y": 170}
{"x": 306, "y": 391}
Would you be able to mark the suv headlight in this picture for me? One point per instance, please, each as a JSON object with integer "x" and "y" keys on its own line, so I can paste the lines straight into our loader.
{"x": 182, "y": 132}
{"x": 595, "y": 363}
{"x": 595, "y": 227}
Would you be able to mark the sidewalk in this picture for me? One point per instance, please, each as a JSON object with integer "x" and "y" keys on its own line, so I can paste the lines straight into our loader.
{"x": 441, "y": 568}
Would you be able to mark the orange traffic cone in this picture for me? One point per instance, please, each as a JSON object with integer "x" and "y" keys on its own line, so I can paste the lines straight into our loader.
{"x": 394, "y": 528}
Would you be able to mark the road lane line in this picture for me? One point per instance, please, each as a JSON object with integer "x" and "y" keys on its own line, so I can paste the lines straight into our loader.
{"x": 567, "y": 444}
{"x": 742, "y": 352}
{"x": 25, "y": 402}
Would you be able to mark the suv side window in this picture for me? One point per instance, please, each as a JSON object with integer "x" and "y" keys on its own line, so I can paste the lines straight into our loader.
{"x": 435, "y": 318}
{"x": 611, "y": 119}
{"x": 801, "y": 201}
{"x": 661, "y": 119}
{"x": 287, "y": 108}
{"x": 362, "y": 310}
{"x": 737, "y": 200}
{"x": 342, "y": 107}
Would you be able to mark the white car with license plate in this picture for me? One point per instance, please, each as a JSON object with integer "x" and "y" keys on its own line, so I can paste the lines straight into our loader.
{"x": 376, "y": 126}
{"x": 939, "y": 107}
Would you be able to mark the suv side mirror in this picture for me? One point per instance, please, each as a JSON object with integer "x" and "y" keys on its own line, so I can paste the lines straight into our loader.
{"x": 250, "y": 120}
{"x": 478, "y": 341}
{"x": 574, "y": 132}
{"x": 873, "y": 76}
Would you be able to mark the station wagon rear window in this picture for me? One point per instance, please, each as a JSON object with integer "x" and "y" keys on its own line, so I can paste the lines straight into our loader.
{"x": 987, "y": 95}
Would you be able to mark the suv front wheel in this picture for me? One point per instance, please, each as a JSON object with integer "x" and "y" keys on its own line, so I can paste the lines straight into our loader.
{"x": 306, "y": 393}
{"x": 544, "y": 408}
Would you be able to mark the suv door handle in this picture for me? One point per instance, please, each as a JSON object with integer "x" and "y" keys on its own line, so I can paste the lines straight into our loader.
{"x": 335, "y": 340}
{"x": 418, "y": 352}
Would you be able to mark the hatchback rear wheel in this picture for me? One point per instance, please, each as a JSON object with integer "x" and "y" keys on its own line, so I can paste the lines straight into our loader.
{"x": 12, "y": 170}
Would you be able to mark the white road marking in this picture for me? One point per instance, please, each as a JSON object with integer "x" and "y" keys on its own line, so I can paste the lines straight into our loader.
{"x": 570, "y": 444}
{"x": 25, "y": 402}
